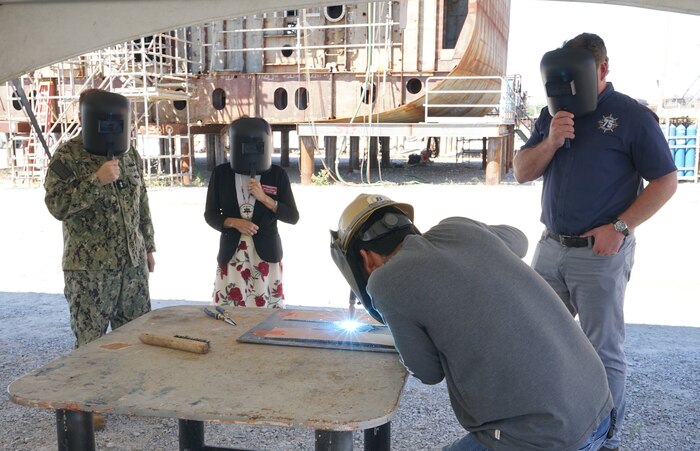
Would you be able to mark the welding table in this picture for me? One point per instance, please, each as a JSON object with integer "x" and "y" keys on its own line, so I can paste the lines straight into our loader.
{"x": 333, "y": 392}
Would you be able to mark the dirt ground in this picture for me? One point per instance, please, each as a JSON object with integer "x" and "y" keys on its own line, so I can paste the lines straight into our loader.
{"x": 662, "y": 310}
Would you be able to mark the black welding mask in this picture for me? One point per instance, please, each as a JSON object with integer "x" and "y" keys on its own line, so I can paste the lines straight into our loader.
{"x": 105, "y": 118}
{"x": 570, "y": 78}
{"x": 250, "y": 145}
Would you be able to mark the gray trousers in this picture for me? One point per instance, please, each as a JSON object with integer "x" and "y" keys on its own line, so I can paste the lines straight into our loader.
{"x": 98, "y": 299}
{"x": 593, "y": 287}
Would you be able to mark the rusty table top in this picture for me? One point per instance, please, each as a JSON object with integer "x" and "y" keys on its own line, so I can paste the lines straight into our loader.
{"x": 326, "y": 389}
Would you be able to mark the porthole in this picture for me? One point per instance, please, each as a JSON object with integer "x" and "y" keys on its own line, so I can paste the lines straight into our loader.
{"x": 180, "y": 104}
{"x": 32, "y": 99}
{"x": 301, "y": 98}
{"x": 280, "y": 98}
{"x": 334, "y": 13}
{"x": 414, "y": 86}
{"x": 16, "y": 103}
{"x": 287, "y": 51}
{"x": 368, "y": 94}
{"x": 218, "y": 99}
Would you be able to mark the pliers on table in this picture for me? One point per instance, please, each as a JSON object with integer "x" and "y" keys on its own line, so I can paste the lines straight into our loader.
{"x": 221, "y": 314}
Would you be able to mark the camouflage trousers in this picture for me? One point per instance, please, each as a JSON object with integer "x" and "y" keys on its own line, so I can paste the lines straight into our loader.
{"x": 98, "y": 299}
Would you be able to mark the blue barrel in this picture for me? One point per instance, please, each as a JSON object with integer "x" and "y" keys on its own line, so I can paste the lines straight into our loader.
{"x": 671, "y": 134}
{"x": 692, "y": 130}
{"x": 679, "y": 151}
{"x": 671, "y": 141}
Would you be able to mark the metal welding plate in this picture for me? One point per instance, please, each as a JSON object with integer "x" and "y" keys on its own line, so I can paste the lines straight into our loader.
{"x": 321, "y": 329}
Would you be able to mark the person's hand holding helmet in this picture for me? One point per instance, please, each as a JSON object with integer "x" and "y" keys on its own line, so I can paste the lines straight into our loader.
{"x": 244, "y": 226}
{"x": 109, "y": 172}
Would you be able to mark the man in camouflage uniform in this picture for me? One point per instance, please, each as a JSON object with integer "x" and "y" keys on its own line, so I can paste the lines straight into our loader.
{"x": 108, "y": 239}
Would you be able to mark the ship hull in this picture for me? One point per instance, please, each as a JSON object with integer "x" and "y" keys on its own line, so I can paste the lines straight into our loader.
{"x": 396, "y": 94}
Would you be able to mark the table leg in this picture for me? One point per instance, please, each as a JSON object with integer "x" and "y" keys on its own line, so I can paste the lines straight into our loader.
{"x": 191, "y": 435}
{"x": 333, "y": 440}
{"x": 75, "y": 431}
{"x": 376, "y": 439}
{"x": 379, "y": 438}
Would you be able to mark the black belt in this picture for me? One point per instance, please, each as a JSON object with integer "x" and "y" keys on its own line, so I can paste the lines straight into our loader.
{"x": 571, "y": 240}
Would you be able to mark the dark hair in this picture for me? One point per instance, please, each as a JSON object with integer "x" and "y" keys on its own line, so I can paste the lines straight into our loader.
{"x": 591, "y": 42}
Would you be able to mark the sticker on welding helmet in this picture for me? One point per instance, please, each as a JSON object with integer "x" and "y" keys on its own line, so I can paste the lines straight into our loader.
{"x": 374, "y": 198}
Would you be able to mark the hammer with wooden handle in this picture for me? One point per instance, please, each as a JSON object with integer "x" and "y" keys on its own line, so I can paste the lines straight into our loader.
{"x": 183, "y": 344}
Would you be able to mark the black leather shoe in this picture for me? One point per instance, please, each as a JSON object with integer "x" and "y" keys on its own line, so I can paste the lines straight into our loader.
{"x": 609, "y": 449}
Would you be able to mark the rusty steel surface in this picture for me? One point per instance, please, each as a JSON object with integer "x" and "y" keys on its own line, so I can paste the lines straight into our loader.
{"x": 234, "y": 382}
{"x": 481, "y": 50}
{"x": 484, "y": 50}
{"x": 335, "y": 74}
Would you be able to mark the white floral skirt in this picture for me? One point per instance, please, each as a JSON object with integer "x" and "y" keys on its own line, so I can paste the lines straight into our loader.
{"x": 247, "y": 280}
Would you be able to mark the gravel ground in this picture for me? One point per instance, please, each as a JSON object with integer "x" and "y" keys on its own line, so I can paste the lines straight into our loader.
{"x": 663, "y": 409}
{"x": 663, "y": 330}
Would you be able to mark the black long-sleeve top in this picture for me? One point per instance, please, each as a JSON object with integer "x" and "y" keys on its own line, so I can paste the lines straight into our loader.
{"x": 222, "y": 203}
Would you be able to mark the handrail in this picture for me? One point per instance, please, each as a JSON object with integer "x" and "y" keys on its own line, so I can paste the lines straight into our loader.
{"x": 507, "y": 107}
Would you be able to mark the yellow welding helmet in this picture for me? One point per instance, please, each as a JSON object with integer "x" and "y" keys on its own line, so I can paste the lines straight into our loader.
{"x": 354, "y": 216}
{"x": 351, "y": 222}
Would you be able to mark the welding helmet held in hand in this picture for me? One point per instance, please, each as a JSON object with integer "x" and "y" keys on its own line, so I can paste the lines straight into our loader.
{"x": 570, "y": 78}
{"x": 250, "y": 145}
{"x": 105, "y": 118}
{"x": 351, "y": 222}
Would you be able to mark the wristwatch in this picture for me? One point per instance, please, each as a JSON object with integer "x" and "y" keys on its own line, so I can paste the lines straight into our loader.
{"x": 621, "y": 226}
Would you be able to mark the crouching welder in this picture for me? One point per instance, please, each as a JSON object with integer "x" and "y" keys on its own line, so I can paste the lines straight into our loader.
{"x": 521, "y": 374}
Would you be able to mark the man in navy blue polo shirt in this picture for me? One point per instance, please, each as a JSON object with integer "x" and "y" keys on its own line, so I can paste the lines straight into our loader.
{"x": 592, "y": 200}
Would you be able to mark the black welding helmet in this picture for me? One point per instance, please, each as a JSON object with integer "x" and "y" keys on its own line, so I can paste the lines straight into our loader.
{"x": 570, "y": 78}
{"x": 105, "y": 118}
{"x": 250, "y": 145}
{"x": 351, "y": 223}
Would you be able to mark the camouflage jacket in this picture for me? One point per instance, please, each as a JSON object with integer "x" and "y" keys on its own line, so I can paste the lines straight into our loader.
{"x": 103, "y": 227}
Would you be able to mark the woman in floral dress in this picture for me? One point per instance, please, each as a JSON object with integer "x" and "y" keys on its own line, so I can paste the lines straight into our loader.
{"x": 245, "y": 199}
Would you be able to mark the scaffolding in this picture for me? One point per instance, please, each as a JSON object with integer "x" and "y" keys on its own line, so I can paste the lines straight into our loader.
{"x": 365, "y": 62}
{"x": 147, "y": 71}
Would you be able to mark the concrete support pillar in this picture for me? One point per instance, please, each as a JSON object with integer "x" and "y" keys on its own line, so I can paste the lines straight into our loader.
{"x": 373, "y": 153}
{"x": 284, "y": 148}
{"x": 329, "y": 142}
{"x": 186, "y": 163}
{"x": 210, "y": 144}
{"x": 385, "y": 145}
{"x": 221, "y": 155}
{"x": 510, "y": 148}
{"x": 494, "y": 165}
{"x": 354, "y": 158}
{"x": 307, "y": 149}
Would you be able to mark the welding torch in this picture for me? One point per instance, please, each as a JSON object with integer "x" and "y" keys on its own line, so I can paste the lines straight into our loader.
{"x": 352, "y": 300}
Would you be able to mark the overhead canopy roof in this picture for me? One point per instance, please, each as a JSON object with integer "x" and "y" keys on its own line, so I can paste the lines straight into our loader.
{"x": 38, "y": 33}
